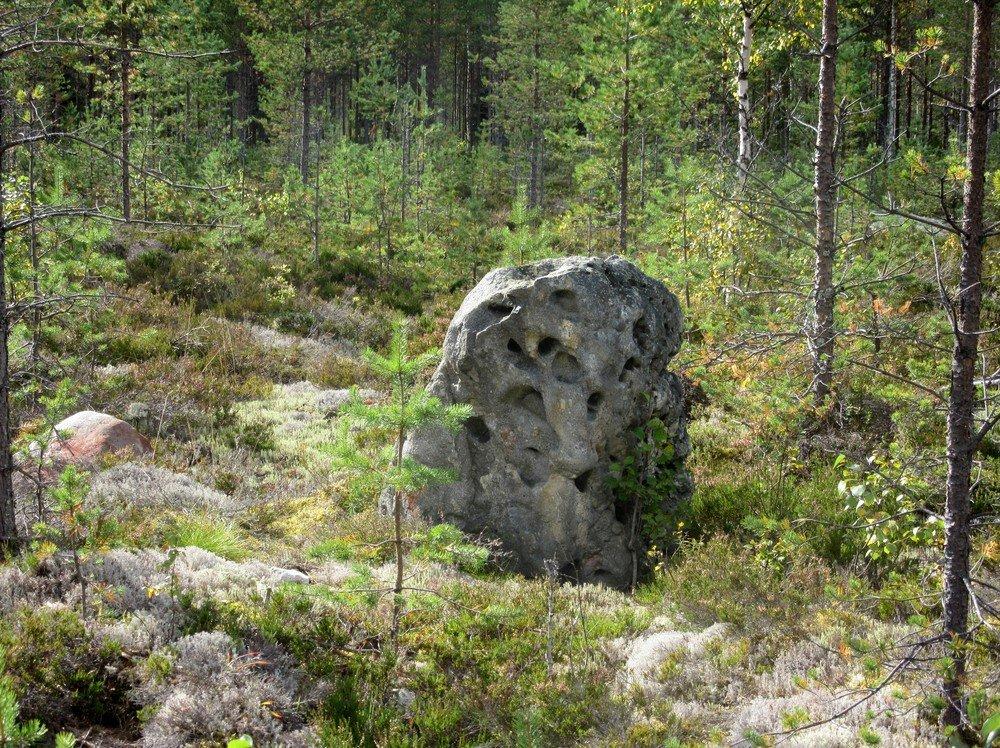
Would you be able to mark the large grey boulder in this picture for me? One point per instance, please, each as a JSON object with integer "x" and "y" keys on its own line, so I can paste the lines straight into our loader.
{"x": 561, "y": 361}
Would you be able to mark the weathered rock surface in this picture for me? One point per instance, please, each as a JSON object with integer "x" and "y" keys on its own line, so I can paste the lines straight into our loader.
{"x": 560, "y": 361}
{"x": 85, "y": 437}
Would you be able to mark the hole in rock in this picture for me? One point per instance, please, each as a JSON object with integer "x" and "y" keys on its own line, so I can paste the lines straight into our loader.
{"x": 500, "y": 309}
{"x": 565, "y": 300}
{"x": 631, "y": 365}
{"x": 566, "y": 368}
{"x": 593, "y": 404}
{"x": 533, "y": 468}
{"x": 602, "y": 576}
{"x": 528, "y": 398}
{"x": 582, "y": 480}
{"x": 640, "y": 331}
{"x": 571, "y": 570}
{"x": 478, "y": 428}
{"x": 547, "y": 345}
{"x": 514, "y": 347}
{"x": 623, "y": 512}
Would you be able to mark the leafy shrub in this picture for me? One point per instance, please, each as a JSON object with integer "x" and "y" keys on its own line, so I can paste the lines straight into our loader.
{"x": 642, "y": 479}
{"x": 890, "y": 503}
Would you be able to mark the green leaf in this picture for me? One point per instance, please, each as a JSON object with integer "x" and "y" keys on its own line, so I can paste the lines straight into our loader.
{"x": 991, "y": 731}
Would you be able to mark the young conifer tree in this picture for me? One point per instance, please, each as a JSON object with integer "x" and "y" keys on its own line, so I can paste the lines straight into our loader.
{"x": 372, "y": 437}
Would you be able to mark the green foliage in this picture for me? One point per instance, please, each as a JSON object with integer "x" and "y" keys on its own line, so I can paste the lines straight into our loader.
{"x": 890, "y": 505}
{"x": 991, "y": 731}
{"x": 524, "y": 241}
{"x": 14, "y": 732}
{"x": 76, "y": 528}
{"x": 60, "y": 673}
{"x": 371, "y": 438}
{"x": 208, "y": 532}
{"x": 447, "y": 544}
{"x": 719, "y": 580}
{"x": 640, "y": 481}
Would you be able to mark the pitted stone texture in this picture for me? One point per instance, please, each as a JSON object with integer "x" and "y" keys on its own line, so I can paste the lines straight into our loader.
{"x": 560, "y": 361}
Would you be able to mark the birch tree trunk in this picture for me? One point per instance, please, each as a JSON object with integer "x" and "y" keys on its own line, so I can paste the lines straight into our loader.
{"x": 743, "y": 93}
{"x": 821, "y": 332}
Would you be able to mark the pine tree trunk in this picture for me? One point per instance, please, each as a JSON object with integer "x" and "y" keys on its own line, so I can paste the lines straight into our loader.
{"x": 246, "y": 86}
{"x": 535, "y": 178}
{"x": 961, "y": 403}
{"x": 126, "y": 92}
{"x": 822, "y": 334}
{"x": 8, "y": 526}
{"x": 623, "y": 155}
{"x": 892, "y": 86}
{"x": 306, "y": 105}
{"x": 743, "y": 94}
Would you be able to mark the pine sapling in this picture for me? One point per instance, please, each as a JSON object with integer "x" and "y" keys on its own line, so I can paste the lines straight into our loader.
{"x": 76, "y": 528}
{"x": 373, "y": 434}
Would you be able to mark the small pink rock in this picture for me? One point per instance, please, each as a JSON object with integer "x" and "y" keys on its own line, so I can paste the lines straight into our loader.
{"x": 85, "y": 437}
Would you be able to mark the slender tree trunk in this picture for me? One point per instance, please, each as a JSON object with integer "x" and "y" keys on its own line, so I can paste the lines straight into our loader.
{"x": 684, "y": 250}
{"x": 316, "y": 206}
{"x": 397, "y": 524}
{"x": 126, "y": 91}
{"x": 246, "y": 85}
{"x": 535, "y": 178}
{"x": 36, "y": 312}
{"x": 892, "y": 86}
{"x": 962, "y": 400}
{"x": 8, "y": 525}
{"x": 743, "y": 93}
{"x": 623, "y": 155}
{"x": 822, "y": 333}
{"x": 909, "y": 104}
{"x": 306, "y": 104}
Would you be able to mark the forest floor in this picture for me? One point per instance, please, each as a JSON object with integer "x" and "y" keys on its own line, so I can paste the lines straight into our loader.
{"x": 240, "y": 585}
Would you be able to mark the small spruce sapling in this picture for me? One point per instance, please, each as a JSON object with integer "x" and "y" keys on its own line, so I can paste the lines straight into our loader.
{"x": 370, "y": 445}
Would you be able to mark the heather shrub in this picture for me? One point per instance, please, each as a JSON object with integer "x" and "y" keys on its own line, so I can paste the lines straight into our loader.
{"x": 61, "y": 674}
{"x": 206, "y": 688}
{"x": 720, "y": 580}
